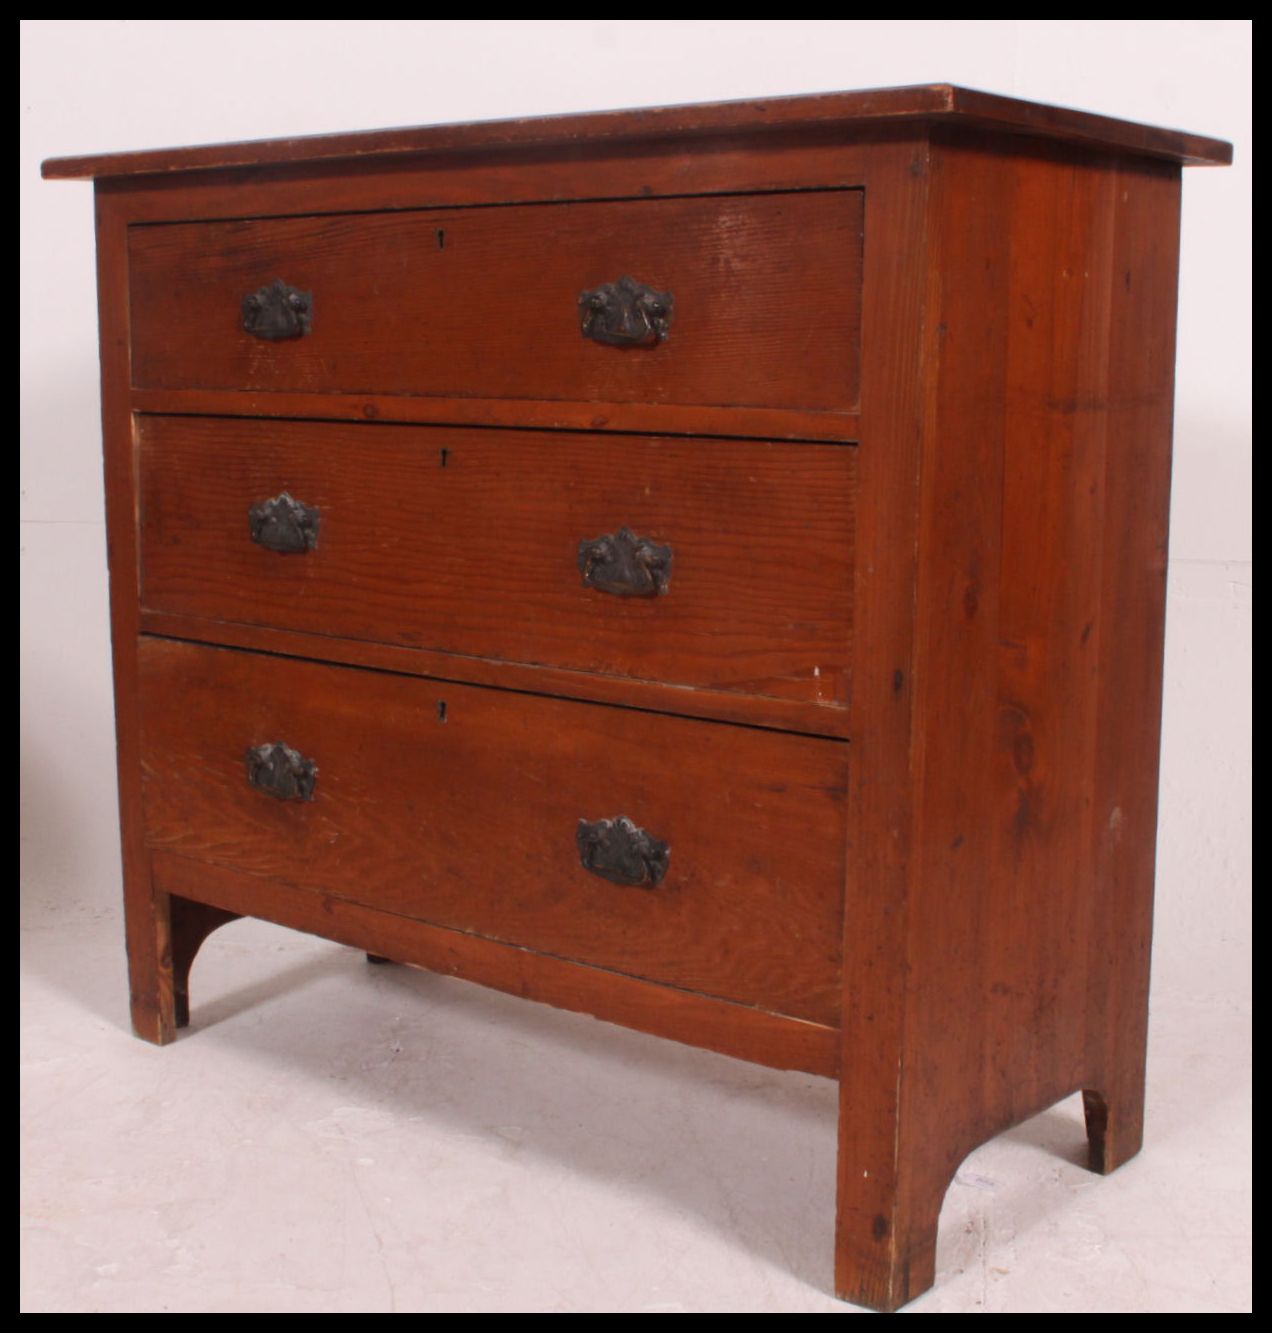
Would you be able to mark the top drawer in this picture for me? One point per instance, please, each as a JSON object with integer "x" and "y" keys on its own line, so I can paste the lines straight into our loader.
{"x": 488, "y": 302}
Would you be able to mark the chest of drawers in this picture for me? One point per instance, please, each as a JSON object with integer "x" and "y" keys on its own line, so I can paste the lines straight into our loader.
{"x": 702, "y": 567}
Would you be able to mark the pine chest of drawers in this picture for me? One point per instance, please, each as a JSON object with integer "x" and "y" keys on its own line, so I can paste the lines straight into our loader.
{"x": 703, "y": 567}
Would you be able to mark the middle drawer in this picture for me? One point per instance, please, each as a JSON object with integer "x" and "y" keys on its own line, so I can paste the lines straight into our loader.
{"x": 720, "y": 564}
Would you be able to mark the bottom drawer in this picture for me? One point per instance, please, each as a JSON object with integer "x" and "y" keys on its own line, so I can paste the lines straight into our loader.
{"x": 696, "y": 854}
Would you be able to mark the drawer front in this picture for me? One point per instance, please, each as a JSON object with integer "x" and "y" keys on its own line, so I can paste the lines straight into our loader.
{"x": 715, "y": 854}
{"x": 488, "y": 302}
{"x": 736, "y": 575}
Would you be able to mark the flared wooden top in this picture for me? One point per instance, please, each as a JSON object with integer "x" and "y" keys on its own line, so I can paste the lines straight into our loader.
{"x": 814, "y": 112}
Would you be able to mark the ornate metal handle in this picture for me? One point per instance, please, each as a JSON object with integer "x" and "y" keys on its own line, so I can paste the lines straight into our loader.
{"x": 625, "y": 313}
{"x": 277, "y": 312}
{"x": 281, "y": 771}
{"x": 619, "y": 851}
{"x": 626, "y": 565}
{"x": 283, "y": 524}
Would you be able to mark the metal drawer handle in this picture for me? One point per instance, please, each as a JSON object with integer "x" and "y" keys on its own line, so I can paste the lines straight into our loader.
{"x": 283, "y": 524}
{"x": 278, "y": 312}
{"x": 626, "y": 565}
{"x": 621, "y": 852}
{"x": 281, "y": 771}
{"x": 625, "y": 313}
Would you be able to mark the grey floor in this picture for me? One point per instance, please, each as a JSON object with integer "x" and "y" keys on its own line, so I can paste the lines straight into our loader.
{"x": 330, "y": 1136}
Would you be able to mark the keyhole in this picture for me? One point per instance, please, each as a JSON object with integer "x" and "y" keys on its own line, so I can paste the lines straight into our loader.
{"x": 441, "y": 710}
{"x": 445, "y": 456}
{"x": 441, "y": 238}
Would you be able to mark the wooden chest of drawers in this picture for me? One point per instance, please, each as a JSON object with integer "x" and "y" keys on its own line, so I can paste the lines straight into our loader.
{"x": 702, "y": 567}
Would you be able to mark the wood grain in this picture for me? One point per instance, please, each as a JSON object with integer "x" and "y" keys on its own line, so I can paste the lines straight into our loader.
{"x": 881, "y": 1257}
{"x": 767, "y": 423}
{"x": 1019, "y": 930}
{"x": 962, "y": 932}
{"x": 484, "y": 302}
{"x": 782, "y": 161}
{"x": 466, "y": 541}
{"x": 697, "y": 1020}
{"x": 1128, "y": 706}
{"x": 847, "y": 110}
{"x": 752, "y": 710}
{"x": 459, "y": 806}
{"x": 147, "y": 920}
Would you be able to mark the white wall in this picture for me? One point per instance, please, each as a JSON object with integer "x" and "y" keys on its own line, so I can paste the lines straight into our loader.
{"x": 122, "y": 84}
